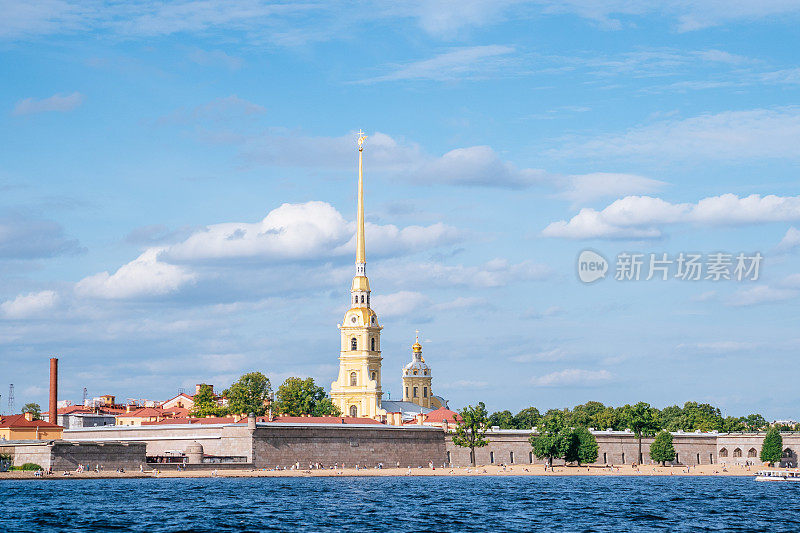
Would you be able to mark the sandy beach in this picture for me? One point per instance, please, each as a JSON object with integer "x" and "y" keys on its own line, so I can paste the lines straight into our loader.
{"x": 488, "y": 470}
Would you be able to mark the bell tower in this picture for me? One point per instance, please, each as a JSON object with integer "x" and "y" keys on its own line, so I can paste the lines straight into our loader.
{"x": 357, "y": 391}
{"x": 417, "y": 380}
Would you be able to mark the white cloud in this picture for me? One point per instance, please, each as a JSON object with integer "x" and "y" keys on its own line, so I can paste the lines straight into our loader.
{"x": 573, "y": 377}
{"x": 494, "y": 273}
{"x": 729, "y": 136}
{"x": 762, "y": 294}
{"x": 403, "y": 303}
{"x": 477, "y": 165}
{"x": 312, "y": 230}
{"x": 588, "y": 187}
{"x": 30, "y": 305}
{"x": 143, "y": 277}
{"x": 718, "y": 346}
{"x": 790, "y": 241}
{"x": 459, "y": 63}
{"x": 640, "y": 217}
{"x": 214, "y": 58}
{"x": 555, "y": 354}
{"x": 56, "y": 102}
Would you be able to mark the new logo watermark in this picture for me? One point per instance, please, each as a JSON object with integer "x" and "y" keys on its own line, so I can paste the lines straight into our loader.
{"x": 685, "y": 266}
{"x": 591, "y": 266}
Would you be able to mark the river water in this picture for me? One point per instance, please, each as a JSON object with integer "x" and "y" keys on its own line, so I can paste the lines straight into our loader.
{"x": 614, "y": 504}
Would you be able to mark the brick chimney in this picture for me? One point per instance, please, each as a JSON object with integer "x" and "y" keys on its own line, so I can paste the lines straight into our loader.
{"x": 53, "y": 391}
{"x": 28, "y": 416}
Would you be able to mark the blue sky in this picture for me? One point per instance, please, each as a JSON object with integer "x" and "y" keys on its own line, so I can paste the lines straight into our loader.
{"x": 177, "y": 195}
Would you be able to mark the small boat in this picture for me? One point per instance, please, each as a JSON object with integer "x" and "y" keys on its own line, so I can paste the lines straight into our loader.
{"x": 777, "y": 475}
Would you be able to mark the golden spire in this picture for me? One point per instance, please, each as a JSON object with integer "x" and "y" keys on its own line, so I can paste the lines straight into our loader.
{"x": 361, "y": 254}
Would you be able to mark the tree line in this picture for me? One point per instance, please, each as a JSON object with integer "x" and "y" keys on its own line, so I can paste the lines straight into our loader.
{"x": 691, "y": 417}
{"x": 564, "y": 434}
{"x": 252, "y": 393}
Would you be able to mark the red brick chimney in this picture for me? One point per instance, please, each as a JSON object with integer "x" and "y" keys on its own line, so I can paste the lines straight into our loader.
{"x": 53, "y": 390}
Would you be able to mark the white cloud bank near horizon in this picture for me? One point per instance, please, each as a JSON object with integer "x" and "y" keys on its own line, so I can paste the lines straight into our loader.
{"x": 643, "y": 217}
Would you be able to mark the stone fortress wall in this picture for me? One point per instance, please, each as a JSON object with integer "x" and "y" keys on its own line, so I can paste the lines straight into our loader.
{"x": 61, "y": 455}
{"x": 268, "y": 445}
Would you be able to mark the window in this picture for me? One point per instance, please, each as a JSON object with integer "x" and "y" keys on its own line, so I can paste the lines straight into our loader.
{"x": 605, "y": 460}
{"x": 353, "y": 379}
{"x": 511, "y": 457}
{"x": 676, "y": 459}
{"x": 374, "y": 376}
{"x": 723, "y": 452}
{"x": 491, "y": 457}
{"x": 623, "y": 457}
{"x": 406, "y": 392}
{"x": 737, "y": 452}
{"x": 353, "y": 411}
{"x": 415, "y": 392}
{"x": 355, "y": 299}
{"x": 448, "y": 457}
{"x": 354, "y": 344}
{"x": 362, "y": 298}
{"x": 530, "y": 457}
{"x": 373, "y": 344}
{"x": 424, "y": 392}
{"x": 711, "y": 458}
{"x": 698, "y": 458}
{"x": 752, "y": 452}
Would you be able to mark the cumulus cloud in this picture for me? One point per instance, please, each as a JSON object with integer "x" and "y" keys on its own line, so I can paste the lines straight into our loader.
{"x": 718, "y": 346}
{"x": 573, "y": 377}
{"x": 730, "y": 136}
{"x": 57, "y": 102}
{"x": 641, "y": 217}
{"x": 477, "y": 165}
{"x": 312, "y": 231}
{"x": 143, "y": 277}
{"x": 30, "y": 305}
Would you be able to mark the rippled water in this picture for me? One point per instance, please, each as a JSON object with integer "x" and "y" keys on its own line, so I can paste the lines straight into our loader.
{"x": 400, "y": 504}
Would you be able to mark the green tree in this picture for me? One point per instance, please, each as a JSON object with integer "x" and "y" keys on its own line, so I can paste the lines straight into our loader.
{"x": 548, "y": 443}
{"x": 471, "y": 431}
{"x": 643, "y": 420}
{"x": 298, "y": 396}
{"x": 527, "y": 418}
{"x": 587, "y": 446}
{"x": 733, "y": 423}
{"x": 607, "y": 418}
{"x": 662, "y": 450}
{"x": 205, "y": 403}
{"x": 587, "y": 415}
{"x": 249, "y": 394}
{"x": 772, "y": 447}
{"x": 34, "y": 409}
{"x": 756, "y": 422}
{"x": 502, "y": 419}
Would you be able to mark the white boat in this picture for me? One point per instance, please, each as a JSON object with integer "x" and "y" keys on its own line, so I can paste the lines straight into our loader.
{"x": 777, "y": 475}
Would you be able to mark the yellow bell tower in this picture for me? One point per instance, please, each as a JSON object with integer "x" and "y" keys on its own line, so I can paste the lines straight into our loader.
{"x": 357, "y": 391}
{"x": 417, "y": 380}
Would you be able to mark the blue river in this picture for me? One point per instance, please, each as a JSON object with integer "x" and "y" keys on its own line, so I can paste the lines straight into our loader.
{"x": 614, "y": 504}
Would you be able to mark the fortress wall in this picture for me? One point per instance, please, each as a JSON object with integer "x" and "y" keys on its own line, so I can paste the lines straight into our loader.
{"x": 619, "y": 448}
{"x": 348, "y": 445}
{"x": 61, "y": 455}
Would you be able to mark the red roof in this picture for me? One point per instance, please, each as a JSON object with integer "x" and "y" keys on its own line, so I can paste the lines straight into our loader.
{"x": 322, "y": 420}
{"x": 144, "y": 412}
{"x": 442, "y": 414}
{"x": 19, "y": 421}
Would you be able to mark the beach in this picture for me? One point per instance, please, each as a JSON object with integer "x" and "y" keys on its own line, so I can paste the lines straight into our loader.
{"x": 480, "y": 470}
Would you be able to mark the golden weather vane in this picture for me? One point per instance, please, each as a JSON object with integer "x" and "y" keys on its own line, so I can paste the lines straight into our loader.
{"x": 361, "y": 137}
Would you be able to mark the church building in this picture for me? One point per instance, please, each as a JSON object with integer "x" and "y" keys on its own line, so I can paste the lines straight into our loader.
{"x": 357, "y": 392}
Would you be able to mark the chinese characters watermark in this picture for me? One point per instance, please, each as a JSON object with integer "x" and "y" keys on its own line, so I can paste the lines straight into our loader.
{"x": 634, "y": 266}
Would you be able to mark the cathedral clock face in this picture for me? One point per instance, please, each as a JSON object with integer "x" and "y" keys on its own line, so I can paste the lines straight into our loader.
{"x": 353, "y": 319}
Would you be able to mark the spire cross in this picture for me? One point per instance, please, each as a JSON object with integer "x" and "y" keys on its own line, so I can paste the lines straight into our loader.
{"x": 417, "y": 335}
{"x": 361, "y": 137}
